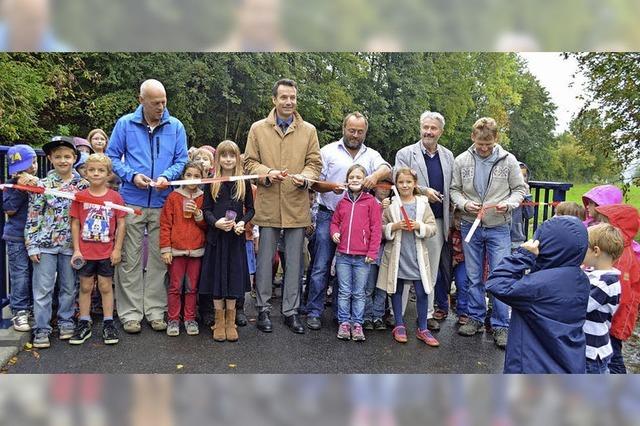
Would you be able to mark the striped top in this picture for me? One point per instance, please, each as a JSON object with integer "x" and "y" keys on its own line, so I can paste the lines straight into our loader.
{"x": 603, "y": 302}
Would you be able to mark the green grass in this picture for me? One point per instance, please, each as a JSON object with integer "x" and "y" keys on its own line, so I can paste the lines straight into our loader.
{"x": 576, "y": 192}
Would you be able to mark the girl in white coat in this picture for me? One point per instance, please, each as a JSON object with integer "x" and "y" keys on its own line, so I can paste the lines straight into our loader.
{"x": 405, "y": 255}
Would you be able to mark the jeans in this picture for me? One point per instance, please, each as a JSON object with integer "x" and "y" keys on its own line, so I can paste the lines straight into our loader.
{"x": 421, "y": 303}
{"x": 374, "y": 297}
{"x": 323, "y": 252}
{"x": 495, "y": 243}
{"x": 19, "y": 277}
{"x": 44, "y": 280}
{"x": 440, "y": 293}
{"x": 462, "y": 289}
{"x": 352, "y": 273}
{"x": 597, "y": 366}
{"x": 616, "y": 363}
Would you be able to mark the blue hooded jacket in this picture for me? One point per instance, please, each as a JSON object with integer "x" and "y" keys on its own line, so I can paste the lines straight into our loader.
{"x": 134, "y": 149}
{"x": 549, "y": 305}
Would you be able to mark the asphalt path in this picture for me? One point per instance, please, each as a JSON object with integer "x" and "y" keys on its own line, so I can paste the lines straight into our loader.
{"x": 281, "y": 351}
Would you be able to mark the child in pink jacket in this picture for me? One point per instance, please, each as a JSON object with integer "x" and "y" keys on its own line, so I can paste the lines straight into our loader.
{"x": 356, "y": 227}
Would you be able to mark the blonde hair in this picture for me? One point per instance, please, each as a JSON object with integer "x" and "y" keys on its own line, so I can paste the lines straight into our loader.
{"x": 410, "y": 172}
{"x": 570, "y": 208}
{"x": 204, "y": 151}
{"x": 100, "y": 159}
{"x": 226, "y": 147}
{"x": 356, "y": 167}
{"x": 485, "y": 129}
{"x": 94, "y": 132}
{"x": 608, "y": 238}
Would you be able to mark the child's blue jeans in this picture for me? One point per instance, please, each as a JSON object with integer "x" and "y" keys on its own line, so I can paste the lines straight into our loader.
{"x": 374, "y": 297}
{"x": 44, "y": 280}
{"x": 19, "y": 277}
{"x": 352, "y": 273}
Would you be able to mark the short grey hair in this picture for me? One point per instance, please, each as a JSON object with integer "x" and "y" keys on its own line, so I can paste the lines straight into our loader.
{"x": 432, "y": 116}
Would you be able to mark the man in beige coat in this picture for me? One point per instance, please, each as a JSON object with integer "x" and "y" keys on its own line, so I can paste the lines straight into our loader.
{"x": 284, "y": 147}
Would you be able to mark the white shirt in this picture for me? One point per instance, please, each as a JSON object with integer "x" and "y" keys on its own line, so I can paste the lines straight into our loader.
{"x": 336, "y": 160}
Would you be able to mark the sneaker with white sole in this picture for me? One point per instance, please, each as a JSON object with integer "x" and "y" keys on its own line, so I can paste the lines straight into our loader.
{"x": 173, "y": 328}
{"x": 109, "y": 333}
{"x": 158, "y": 325}
{"x": 41, "y": 339}
{"x": 21, "y": 321}
{"x": 132, "y": 326}
{"x": 81, "y": 333}
{"x": 357, "y": 334}
{"x": 192, "y": 328}
{"x": 66, "y": 331}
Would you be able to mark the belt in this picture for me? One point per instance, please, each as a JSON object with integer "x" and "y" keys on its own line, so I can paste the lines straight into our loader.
{"x": 324, "y": 208}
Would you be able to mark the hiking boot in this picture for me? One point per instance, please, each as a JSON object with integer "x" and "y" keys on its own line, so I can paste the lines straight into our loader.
{"x": 109, "y": 333}
{"x": 344, "y": 331}
{"x": 427, "y": 337}
{"x": 470, "y": 328}
{"x": 357, "y": 335}
{"x": 230, "y": 329}
{"x": 433, "y": 324}
{"x": 21, "y": 321}
{"x": 41, "y": 339}
{"x": 500, "y": 337}
{"x": 192, "y": 328}
{"x": 241, "y": 318}
{"x": 66, "y": 331}
{"x": 81, "y": 333}
{"x": 379, "y": 325}
{"x": 399, "y": 333}
{"x": 132, "y": 326}
{"x": 158, "y": 325}
{"x": 440, "y": 314}
{"x": 463, "y": 319}
{"x": 219, "y": 326}
{"x": 173, "y": 328}
{"x": 367, "y": 324}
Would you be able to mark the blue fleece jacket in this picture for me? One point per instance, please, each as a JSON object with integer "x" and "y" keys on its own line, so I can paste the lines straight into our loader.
{"x": 134, "y": 148}
{"x": 549, "y": 305}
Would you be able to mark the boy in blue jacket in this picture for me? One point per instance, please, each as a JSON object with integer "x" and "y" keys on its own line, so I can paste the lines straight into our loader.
{"x": 549, "y": 304}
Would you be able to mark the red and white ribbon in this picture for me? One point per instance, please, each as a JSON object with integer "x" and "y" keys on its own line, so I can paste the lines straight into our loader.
{"x": 81, "y": 198}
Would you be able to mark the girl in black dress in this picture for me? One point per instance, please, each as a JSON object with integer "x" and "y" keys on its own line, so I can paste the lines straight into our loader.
{"x": 225, "y": 273}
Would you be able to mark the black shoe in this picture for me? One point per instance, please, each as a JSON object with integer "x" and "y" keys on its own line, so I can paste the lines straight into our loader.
{"x": 109, "y": 333}
{"x": 294, "y": 323}
{"x": 81, "y": 333}
{"x": 314, "y": 323}
{"x": 379, "y": 325}
{"x": 367, "y": 324}
{"x": 241, "y": 318}
{"x": 264, "y": 322}
{"x": 433, "y": 324}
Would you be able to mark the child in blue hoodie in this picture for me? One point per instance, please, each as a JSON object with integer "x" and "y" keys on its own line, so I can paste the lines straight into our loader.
{"x": 549, "y": 304}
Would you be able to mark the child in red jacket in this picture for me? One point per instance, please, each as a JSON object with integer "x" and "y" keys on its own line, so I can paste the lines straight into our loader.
{"x": 356, "y": 227}
{"x": 626, "y": 219}
{"x": 182, "y": 240}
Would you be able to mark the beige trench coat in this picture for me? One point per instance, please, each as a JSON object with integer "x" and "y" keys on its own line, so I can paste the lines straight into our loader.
{"x": 283, "y": 204}
{"x": 388, "y": 274}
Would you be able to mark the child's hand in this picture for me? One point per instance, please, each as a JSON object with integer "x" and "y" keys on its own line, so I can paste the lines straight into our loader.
{"x": 386, "y": 203}
{"x": 396, "y": 226}
{"x": 369, "y": 260}
{"x": 167, "y": 258}
{"x": 35, "y": 258}
{"x": 532, "y": 246}
{"x": 239, "y": 228}
{"x": 76, "y": 255}
{"x": 191, "y": 207}
{"x": 309, "y": 230}
{"x": 27, "y": 179}
{"x": 116, "y": 257}
{"x": 336, "y": 238}
{"x": 225, "y": 224}
{"x": 412, "y": 226}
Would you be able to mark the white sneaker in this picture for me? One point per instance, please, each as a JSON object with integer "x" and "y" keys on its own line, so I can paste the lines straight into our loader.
{"x": 21, "y": 321}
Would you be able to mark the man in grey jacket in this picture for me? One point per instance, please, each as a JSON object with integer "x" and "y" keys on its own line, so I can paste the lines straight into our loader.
{"x": 486, "y": 183}
{"x": 434, "y": 165}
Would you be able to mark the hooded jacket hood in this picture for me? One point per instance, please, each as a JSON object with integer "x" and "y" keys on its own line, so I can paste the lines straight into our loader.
{"x": 602, "y": 195}
{"x": 563, "y": 242}
{"x": 623, "y": 217}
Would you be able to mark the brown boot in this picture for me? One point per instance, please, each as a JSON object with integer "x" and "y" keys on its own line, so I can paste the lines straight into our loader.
{"x": 231, "y": 328}
{"x": 219, "y": 334}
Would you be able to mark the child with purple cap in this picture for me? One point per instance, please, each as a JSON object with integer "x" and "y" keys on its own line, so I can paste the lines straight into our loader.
{"x": 22, "y": 160}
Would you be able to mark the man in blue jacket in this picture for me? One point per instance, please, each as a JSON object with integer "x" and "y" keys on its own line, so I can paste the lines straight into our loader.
{"x": 148, "y": 148}
{"x": 549, "y": 304}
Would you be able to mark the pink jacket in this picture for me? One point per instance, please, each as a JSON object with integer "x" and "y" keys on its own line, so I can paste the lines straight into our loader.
{"x": 359, "y": 224}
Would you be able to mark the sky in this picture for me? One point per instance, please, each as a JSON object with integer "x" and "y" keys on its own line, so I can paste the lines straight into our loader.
{"x": 556, "y": 74}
